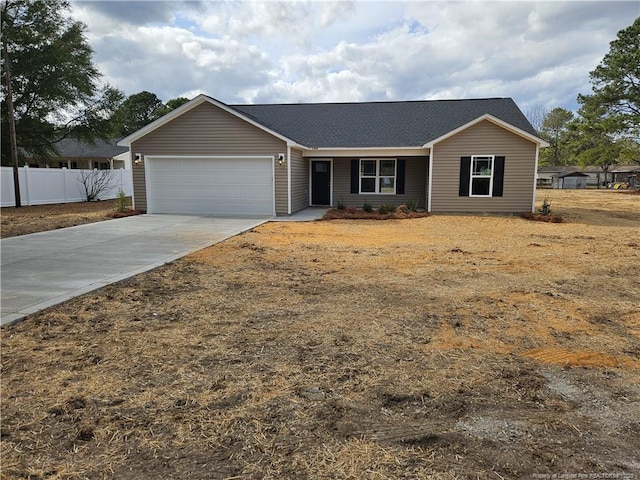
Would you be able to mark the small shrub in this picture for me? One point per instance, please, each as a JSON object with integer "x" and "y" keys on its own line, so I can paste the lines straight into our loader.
{"x": 121, "y": 202}
{"x": 546, "y": 206}
{"x": 367, "y": 207}
{"x": 412, "y": 205}
{"x": 386, "y": 208}
{"x": 341, "y": 205}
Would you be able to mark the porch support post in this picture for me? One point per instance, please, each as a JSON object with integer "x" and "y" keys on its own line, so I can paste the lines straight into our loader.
{"x": 431, "y": 150}
{"x": 535, "y": 180}
{"x": 288, "y": 179}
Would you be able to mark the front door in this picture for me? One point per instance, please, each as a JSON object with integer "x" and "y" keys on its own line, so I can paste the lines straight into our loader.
{"x": 321, "y": 182}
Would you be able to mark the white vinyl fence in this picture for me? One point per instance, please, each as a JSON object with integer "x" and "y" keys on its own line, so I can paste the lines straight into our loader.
{"x": 39, "y": 186}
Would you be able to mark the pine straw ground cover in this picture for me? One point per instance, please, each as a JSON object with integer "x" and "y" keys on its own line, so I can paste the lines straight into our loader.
{"x": 444, "y": 347}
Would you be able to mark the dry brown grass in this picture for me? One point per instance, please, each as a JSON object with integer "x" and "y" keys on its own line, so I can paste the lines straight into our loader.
{"x": 40, "y": 218}
{"x": 436, "y": 348}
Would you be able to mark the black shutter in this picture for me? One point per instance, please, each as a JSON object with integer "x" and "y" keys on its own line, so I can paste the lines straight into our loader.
{"x": 498, "y": 176}
{"x": 465, "y": 172}
{"x": 355, "y": 175}
{"x": 400, "y": 177}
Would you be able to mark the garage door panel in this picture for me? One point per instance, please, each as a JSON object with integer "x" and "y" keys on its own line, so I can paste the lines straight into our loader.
{"x": 211, "y": 186}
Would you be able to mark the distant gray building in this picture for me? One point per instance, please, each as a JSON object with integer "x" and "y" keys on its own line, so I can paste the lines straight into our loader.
{"x": 595, "y": 176}
{"x": 570, "y": 180}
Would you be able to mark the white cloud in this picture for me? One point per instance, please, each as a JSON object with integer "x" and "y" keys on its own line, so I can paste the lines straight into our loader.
{"x": 540, "y": 53}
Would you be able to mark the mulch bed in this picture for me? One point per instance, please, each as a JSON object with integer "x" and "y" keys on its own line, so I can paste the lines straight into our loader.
{"x": 352, "y": 213}
{"x": 126, "y": 213}
{"x": 539, "y": 217}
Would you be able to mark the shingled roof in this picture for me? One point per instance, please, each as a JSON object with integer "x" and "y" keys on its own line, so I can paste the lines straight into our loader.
{"x": 378, "y": 124}
{"x": 72, "y": 148}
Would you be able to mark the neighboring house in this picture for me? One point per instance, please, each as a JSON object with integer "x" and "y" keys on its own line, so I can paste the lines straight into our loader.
{"x": 628, "y": 174}
{"x": 207, "y": 157}
{"x": 570, "y": 180}
{"x": 595, "y": 175}
{"x": 104, "y": 155}
{"x": 547, "y": 172}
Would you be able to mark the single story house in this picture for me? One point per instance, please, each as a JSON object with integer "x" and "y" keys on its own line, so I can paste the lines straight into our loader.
{"x": 570, "y": 180}
{"x": 547, "y": 172}
{"x": 74, "y": 154}
{"x": 207, "y": 157}
{"x": 626, "y": 174}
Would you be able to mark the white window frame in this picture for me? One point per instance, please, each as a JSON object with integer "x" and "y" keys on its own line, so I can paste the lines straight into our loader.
{"x": 377, "y": 176}
{"x": 472, "y": 175}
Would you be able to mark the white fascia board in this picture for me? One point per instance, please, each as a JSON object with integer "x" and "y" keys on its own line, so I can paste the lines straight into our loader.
{"x": 366, "y": 152}
{"x": 496, "y": 121}
{"x": 127, "y": 141}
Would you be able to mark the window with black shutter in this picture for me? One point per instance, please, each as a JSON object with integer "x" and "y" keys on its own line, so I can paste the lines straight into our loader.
{"x": 378, "y": 176}
{"x": 481, "y": 176}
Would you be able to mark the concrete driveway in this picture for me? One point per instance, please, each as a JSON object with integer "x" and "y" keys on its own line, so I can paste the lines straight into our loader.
{"x": 47, "y": 268}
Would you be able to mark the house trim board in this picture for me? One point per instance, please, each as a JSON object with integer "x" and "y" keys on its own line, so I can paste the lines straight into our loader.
{"x": 431, "y": 156}
{"x": 288, "y": 179}
{"x": 535, "y": 180}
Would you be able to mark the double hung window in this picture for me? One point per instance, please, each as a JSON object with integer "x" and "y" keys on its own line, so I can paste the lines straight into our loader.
{"x": 481, "y": 178}
{"x": 378, "y": 176}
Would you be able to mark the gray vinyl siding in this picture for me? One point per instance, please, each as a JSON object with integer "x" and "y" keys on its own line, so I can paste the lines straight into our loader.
{"x": 299, "y": 181}
{"x": 209, "y": 130}
{"x": 416, "y": 182}
{"x": 484, "y": 138}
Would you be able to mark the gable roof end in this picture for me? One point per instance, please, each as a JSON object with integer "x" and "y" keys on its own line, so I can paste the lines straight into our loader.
{"x": 200, "y": 99}
{"x": 494, "y": 120}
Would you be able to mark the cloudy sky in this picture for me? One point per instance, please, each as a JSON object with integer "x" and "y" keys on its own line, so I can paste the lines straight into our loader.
{"x": 539, "y": 53}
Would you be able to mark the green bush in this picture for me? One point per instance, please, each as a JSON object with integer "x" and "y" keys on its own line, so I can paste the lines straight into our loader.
{"x": 386, "y": 208}
{"x": 412, "y": 205}
{"x": 341, "y": 205}
{"x": 121, "y": 202}
{"x": 367, "y": 207}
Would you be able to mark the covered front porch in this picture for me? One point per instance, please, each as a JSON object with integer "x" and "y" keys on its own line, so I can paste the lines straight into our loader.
{"x": 373, "y": 180}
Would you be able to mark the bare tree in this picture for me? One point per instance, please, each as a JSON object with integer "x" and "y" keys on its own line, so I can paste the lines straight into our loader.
{"x": 536, "y": 115}
{"x": 96, "y": 183}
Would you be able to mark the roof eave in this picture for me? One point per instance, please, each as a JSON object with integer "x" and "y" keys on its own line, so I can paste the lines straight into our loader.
{"x": 417, "y": 147}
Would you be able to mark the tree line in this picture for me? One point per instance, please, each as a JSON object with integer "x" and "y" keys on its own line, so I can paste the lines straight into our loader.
{"x": 606, "y": 128}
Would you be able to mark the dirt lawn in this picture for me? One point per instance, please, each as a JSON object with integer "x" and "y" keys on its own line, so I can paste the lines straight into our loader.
{"x": 39, "y": 218}
{"x": 435, "y": 348}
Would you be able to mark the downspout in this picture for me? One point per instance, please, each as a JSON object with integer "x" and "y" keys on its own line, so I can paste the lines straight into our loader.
{"x": 430, "y": 179}
{"x": 535, "y": 180}
{"x": 288, "y": 179}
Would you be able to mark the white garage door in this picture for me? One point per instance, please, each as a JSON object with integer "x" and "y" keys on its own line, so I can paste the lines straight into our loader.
{"x": 210, "y": 185}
